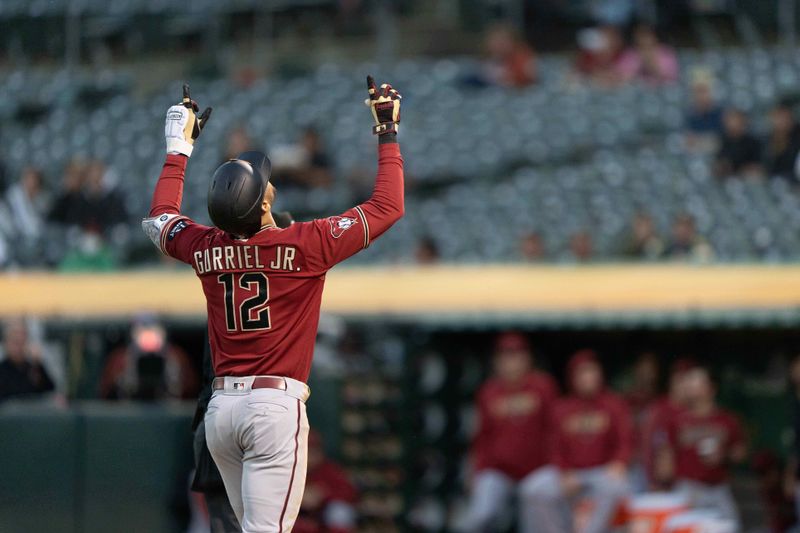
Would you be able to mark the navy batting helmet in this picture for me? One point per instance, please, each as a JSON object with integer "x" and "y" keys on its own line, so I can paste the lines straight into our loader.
{"x": 236, "y": 192}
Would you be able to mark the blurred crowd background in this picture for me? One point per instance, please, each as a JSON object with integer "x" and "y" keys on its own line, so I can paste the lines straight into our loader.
{"x": 535, "y": 132}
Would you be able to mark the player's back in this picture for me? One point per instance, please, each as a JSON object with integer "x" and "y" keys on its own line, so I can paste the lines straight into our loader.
{"x": 263, "y": 295}
{"x": 264, "y": 292}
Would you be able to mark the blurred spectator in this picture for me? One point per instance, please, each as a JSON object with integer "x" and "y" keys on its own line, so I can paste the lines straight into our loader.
{"x": 531, "y": 248}
{"x": 705, "y": 439}
{"x": 148, "y": 368}
{"x": 105, "y": 203}
{"x": 5, "y": 258}
{"x": 21, "y": 371}
{"x": 581, "y": 248}
{"x": 783, "y": 143}
{"x": 68, "y": 207}
{"x": 329, "y": 501}
{"x": 427, "y": 252}
{"x": 686, "y": 243}
{"x": 513, "y": 411}
{"x": 643, "y": 241}
{"x": 599, "y": 58}
{"x": 89, "y": 198}
{"x": 592, "y": 445}
{"x": 27, "y": 204}
{"x": 238, "y": 141}
{"x": 3, "y": 175}
{"x": 704, "y": 118}
{"x": 511, "y": 62}
{"x": 648, "y": 59}
{"x": 306, "y": 164}
{"x": 90, "y": 253}
{"x": 654, "y": 427}
{"x": 611, "y": 12}
{"x": 740, "y": 151}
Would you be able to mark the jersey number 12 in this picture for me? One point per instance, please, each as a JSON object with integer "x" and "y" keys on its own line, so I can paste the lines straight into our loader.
{"x": 253, "y": 313}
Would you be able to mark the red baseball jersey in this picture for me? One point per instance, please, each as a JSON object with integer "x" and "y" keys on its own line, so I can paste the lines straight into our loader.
{"x": 589, "y": 432}
{"x": 264, "y": 293}
{"x": 702, "y": 445}
{"x": 512, "y": 424}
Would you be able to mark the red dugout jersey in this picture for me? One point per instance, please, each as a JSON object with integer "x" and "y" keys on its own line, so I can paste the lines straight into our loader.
{"x": 703, "y": 444}
{"x": 512, "y": 423}
{"x": 263, "y": 293}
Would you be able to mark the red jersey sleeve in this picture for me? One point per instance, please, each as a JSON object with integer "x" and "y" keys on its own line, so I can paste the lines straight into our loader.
{"x": 174, "y": 234}
{"x": 332, "y": 240}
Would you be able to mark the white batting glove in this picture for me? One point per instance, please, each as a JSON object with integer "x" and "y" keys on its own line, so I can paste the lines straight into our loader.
{"x": 183, "y": 125}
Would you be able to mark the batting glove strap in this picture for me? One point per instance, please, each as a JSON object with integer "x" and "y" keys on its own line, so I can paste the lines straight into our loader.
{"x": 179, "y": 146}
{"x": 383, "y": 129}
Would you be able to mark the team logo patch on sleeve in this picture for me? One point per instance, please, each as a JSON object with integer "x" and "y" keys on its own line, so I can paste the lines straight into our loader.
{"x": 177, "y": 228}
{"x": 341, "y": 224}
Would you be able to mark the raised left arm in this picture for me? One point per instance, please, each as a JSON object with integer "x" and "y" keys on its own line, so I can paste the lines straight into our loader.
{"x": 181, "y": 129}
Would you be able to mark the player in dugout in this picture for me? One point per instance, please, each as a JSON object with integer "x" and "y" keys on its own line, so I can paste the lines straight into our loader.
{"x": 513, "y": 410}
{"x": 592, "y": 446}
{"x": 705, "y": 441}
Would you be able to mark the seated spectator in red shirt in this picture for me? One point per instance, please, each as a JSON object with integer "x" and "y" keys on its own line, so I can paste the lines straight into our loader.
{"x": 600, "y": 55}
{"x": 532, "y": 248}
{"x": 740, "y": 151}
{"x": 21, "y": 372}
{"x": 329, "y": 499}
{"x": 649, "y": 60}
{"x": 581, "y": 247}
{"x": 591, "y": 448}
{"x": 654, "y": 428}
{"x": 511, "y": 62}
{"x": 783, "y": 143}
{"x": 705, "y": 439}
{"x": 148, "y": 368}
{"x": 511, "y": 442}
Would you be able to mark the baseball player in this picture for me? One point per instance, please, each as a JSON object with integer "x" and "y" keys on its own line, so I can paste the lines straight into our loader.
{"x": 263, "y": 288}
{"x": 705, "y": 440}
{"x": 207, "y": 479}
{"x": 513, "y": 412}
{"x": 592, "y": 445}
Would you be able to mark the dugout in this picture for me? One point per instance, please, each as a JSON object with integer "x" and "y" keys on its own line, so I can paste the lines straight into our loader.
{"x": 399, "y": 414}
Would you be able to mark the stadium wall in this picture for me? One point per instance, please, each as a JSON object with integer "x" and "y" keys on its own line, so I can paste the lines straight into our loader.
{"x": 492, "y": 293}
